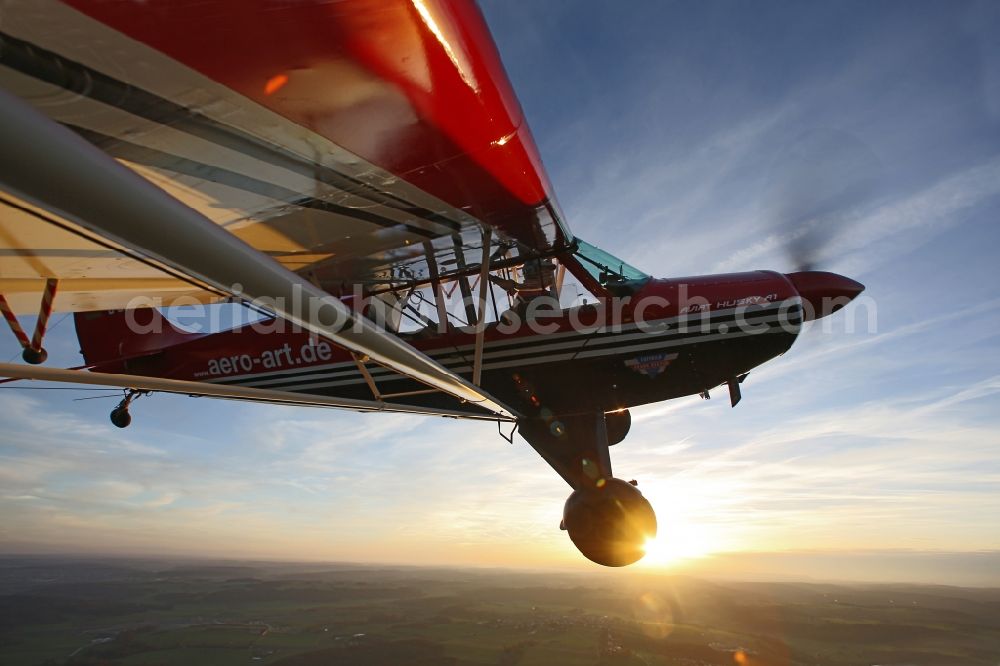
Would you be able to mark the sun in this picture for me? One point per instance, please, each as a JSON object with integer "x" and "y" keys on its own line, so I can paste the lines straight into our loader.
{"x": 678, "y": 542}
{"x": 689, "y": 528}
{"x": 659, "y": 552}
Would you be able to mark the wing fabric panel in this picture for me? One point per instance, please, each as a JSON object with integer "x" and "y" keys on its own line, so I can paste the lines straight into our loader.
{"x": 390, "y": 130}
{"x": 416, "y": 88}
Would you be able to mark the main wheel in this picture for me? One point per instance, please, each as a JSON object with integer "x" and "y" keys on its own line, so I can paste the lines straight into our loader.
{"x": 610, "y": 524}
{"x": 120, "y": 417}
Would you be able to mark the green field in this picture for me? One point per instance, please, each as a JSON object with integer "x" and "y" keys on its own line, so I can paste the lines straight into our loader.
{"x": 91, "y": 612}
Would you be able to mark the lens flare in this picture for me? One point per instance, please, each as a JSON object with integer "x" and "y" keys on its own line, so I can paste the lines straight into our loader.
{"x": 275, "y": 83}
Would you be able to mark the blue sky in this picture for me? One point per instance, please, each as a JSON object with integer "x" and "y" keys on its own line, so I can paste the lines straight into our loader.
{"x": 682, "y": 137}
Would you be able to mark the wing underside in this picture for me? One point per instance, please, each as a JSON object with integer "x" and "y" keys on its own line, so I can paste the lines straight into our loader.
{"x": 315, "y": 158}
{"x": 245, "y": 159}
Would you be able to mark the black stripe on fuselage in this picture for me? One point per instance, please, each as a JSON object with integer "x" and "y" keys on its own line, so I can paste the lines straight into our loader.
{"x": 308, "y": 383}
{"x": 607, "y": 345}
{"x": 593, "y": 339}
{"x": 545, "y": 344}
{"x": 75, "y": 77}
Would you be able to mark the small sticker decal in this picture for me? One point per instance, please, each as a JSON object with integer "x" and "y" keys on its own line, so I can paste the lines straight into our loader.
{"x": 650, "y": 365}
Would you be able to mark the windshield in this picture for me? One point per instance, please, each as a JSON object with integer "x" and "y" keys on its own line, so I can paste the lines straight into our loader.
{"x": 607, "y": 269}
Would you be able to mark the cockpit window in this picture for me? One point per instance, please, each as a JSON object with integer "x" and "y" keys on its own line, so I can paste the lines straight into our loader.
{"x": 607, "y": 269}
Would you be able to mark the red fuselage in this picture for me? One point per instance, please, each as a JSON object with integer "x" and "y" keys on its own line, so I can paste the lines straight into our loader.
{"x": 667, "y": 339}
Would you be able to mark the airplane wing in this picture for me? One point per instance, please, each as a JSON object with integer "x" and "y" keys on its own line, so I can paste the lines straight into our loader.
{"x": 204, "y": 389}
{"x": 355, "y": 142}
{"x": 190, "y": 151}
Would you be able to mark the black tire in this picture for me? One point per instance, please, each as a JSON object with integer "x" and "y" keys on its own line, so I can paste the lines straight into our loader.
{"x": 120, "y": 417}
{"x": 611, "y": 523}
{"x": 34, "y": 356}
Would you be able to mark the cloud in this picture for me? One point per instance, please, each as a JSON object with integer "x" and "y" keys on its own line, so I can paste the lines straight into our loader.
{"x": 897, "y": 472}
{"x": 300, "y": 476}
{"x": 165, "y": 499}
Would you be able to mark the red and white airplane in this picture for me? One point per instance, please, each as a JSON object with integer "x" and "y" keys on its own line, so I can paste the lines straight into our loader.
{"x": 361, "y": 172}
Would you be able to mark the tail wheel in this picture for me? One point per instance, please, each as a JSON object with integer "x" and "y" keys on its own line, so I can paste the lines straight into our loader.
{"x": 121, "y": 417}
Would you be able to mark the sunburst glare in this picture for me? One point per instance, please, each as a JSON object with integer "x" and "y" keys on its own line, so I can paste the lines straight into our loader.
{"x": 686, "y": 530}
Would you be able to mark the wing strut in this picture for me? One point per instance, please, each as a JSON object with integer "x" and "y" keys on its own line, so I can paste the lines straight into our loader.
{"x": 442, "y": 308}
{"x": 484, "y": 284}
{"x": 49, "y": 165}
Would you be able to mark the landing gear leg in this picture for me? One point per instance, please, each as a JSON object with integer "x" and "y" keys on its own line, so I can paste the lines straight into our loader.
{"x": 120, "y": 415}
{"x": 607, "y": 519}
{"x": 575, "y": 445}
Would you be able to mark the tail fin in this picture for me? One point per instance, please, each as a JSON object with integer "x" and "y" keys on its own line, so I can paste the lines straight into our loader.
{"x": 109, "y": 335}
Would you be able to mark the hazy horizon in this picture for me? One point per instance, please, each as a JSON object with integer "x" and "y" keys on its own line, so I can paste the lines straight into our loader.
{"x": 958, "y": 569}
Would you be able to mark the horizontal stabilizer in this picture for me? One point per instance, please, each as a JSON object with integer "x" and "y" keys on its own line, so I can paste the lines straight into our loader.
{"x": 108, "y": 335}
